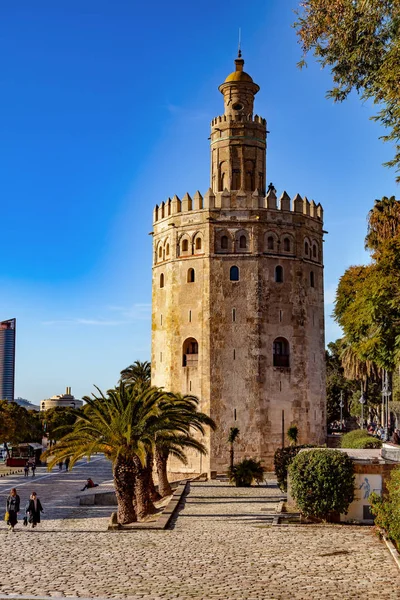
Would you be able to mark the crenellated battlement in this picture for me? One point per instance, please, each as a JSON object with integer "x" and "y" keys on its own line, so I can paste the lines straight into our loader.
{"x": 237, "y": 201}
{"x": 239, "y": 118}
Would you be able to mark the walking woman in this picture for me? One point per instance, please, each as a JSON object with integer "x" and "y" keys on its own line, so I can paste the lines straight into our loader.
{"x": 12, "y": 509}
{"x": 33, "y": 510}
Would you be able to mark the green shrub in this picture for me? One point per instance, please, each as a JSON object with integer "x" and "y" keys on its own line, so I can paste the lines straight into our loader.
{"x": 322, "y": 482}
{"x": 386, "y": 508}
{"x": 359, "y": 439}
{"x": 245, "y": 472}
{"x": 282, "y": 459}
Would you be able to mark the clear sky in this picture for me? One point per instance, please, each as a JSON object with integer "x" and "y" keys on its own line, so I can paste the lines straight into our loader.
{"x": 104, "y": 112}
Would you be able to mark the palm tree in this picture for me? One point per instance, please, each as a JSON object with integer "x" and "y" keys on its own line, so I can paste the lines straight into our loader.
{"x": 138, "y": 374}
{"x": 116, "y": 424}
{"x": 293, "y": 434}
{"x": 181, "y": 419}
{"x": 233, "y": 434}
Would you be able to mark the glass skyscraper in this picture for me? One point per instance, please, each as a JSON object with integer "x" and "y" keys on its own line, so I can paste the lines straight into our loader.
{"x": 7, "y": 359}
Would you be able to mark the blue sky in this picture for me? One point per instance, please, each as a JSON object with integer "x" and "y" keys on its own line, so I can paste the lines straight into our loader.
{"x": 104, "y": 112}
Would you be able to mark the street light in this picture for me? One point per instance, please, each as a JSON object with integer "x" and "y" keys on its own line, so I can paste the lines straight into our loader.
{"x": 341, "y": 404}
{"x": 362, "y": 402}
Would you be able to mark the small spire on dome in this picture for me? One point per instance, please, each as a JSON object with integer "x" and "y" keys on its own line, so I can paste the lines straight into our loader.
{"x": 240, "y": 43}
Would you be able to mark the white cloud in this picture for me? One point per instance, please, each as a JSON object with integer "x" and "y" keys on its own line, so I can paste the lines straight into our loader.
{"x": 126, "y": 314}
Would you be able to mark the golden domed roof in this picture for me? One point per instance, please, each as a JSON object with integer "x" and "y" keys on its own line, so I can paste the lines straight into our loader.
{"x": 238, "y": 76}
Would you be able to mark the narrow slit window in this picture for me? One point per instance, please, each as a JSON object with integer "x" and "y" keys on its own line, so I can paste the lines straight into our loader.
{"x": 279, "y": 274}
{"x": 312, "y": 279}
{"x": 162, "y": 282}
{"x": 280, "y": 316}
{"x": 234, "y": 274}
{"x": 233, "y": 315}
{"x": 160, "y": 356}
{"x": 234, "y": 414}
{"x": 234, "y": 354}
{"x": 160, "y": 319}
{"x": 190, "y": 316}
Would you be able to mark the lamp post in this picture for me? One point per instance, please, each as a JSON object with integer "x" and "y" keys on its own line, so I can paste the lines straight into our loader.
{"x": 362, "y": 402}
{"x": 341, "y": 404}
{"x": 386, "y": 393}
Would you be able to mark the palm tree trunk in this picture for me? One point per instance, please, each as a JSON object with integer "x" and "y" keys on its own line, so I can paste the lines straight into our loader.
{"x": 161, "y": 463}
{"x": 144, "y": 505}
{"x": 154, "y": 495}
{"x": 232, "y": 455}
{"x": 124, "y": 481}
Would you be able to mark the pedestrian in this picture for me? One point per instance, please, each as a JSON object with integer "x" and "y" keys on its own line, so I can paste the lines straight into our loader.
{"x": 13, "y": 503}
{"x": 89, "y": 484}
{"x": 33, "y": 467}
{"x": 67, "y": 460}
{"x": 60, "y": 465}
{"x": 33, "y": 510}
{"x": 26, "y": 468}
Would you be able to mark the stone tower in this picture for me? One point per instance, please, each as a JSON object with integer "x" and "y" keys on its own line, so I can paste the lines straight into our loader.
{"x": 238, "y": 310}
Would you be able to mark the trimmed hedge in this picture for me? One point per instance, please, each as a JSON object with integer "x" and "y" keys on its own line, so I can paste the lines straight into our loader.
{"x": 386, "y": 509}
{"x": 282, "y": 459}
{"x": 359, "y": 439}
{"x": 322, "y": 482}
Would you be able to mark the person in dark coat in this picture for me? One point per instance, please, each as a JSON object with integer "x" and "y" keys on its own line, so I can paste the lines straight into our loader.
{"x": 33, "y": 510}
{"x": 13, "y": 503}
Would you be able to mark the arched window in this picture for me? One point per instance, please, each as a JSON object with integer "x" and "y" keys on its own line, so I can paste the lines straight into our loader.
{"x": 312, "y": 279}
{"x": 190, "y": 353}
{"x": 167, "y": 250}
{"x": 306, "y": 248}
{"x": 162, "y": 280}
{"x": 314, "y": 250}
{"x": 281, "y": 352}
{"x": 286, "y": 245}
{"x": 160, "y": 252}
{"x": 242, "y": 242}
{"x": 185, "y": 246}
{"x": 234, "y": 274}
{"x": 279, "y": 274}
{"x": 224, "y": 242}
{"x": 270, "y": 242}
{"x": 198, "y": 243}
{"x": 190, "y": 276}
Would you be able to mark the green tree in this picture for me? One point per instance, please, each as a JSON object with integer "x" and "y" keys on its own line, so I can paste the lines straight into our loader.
{"x": 359, "y": 41}
{"x": 182, "y": 419}
{"x": 117, "y": 424}
{"x": 137, "y": 374}
{"x": 18, "y": 424}
{"x": 59, "y": 421}
{"x": 232, "y": 437}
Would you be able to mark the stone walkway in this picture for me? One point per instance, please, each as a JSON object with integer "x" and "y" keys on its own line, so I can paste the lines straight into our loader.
{"x": 222, "y": 546}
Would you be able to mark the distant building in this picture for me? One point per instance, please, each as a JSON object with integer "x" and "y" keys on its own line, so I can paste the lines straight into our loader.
{"x": 7, "y": 359}
{"x": 26, "y": 404}
{"x": 61, "y": 400}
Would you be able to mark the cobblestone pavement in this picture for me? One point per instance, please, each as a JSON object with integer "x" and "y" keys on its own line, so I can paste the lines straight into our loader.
{"x": 221, "y": 547}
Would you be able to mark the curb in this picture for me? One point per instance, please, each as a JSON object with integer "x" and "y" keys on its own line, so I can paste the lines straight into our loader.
{"x": 162, "y": 522}
{"x": 392, "y": 549}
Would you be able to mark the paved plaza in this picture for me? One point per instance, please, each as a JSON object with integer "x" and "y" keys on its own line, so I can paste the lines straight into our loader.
{"x": 221, "y": 546}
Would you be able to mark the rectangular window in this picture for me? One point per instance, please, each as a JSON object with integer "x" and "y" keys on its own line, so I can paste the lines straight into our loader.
{"x": 233, "y": 315}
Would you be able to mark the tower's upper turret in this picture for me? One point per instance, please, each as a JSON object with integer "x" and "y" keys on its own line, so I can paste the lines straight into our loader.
{"x": 239, "y": 90}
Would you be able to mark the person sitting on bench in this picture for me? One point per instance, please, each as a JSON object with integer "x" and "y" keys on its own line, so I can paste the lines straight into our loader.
{"x": 89, "y": 484}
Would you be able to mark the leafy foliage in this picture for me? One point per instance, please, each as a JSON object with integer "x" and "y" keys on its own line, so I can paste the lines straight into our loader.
{"x": 59, "y": 421}
{"x": 367, "y": 305}
{"x": 386, "y": 509}
{"x": 138, "y": 374}
{"x": 359, "y": 40}
{"x": 322, "y": 482}
{"x": 359, "y": 438}
{"x": 282, "y": 459}
{"x": 18, "y": 424}
{"x": 247, "y": 471}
